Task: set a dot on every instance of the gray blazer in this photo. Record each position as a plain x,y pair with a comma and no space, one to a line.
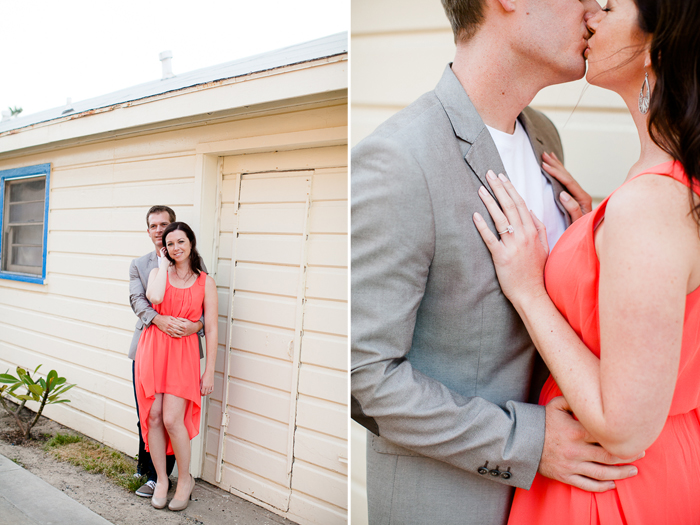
139,270
442,366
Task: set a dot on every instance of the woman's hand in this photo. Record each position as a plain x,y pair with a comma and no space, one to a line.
581,202
164,262
206,383
521,253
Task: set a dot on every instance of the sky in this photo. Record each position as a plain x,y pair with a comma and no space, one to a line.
51,50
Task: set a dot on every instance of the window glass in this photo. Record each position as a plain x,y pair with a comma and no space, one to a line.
23,225
28,190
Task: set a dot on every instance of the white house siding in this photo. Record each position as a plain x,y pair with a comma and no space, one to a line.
283,254
80,321
399,51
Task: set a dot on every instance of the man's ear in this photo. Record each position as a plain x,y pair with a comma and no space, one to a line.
507,5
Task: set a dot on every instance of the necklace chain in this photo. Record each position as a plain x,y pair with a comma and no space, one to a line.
187,276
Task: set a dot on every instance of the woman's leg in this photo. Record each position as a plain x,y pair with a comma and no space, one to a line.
157,443
174,420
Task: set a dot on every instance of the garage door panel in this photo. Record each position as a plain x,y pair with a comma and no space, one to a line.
262,340
283,253
329,217
278,280
264,309
271,218
259,189
269,249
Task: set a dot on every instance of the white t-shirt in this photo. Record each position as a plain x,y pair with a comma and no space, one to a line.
524,172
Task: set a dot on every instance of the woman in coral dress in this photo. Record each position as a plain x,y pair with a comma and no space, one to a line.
168,384
617,315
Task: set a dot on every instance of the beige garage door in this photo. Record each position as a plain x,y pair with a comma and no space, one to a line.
283,278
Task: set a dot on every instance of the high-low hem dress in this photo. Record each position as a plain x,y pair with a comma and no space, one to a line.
667,488
167,365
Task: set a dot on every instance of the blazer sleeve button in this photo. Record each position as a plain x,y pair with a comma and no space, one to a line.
483,471
495,473
505,475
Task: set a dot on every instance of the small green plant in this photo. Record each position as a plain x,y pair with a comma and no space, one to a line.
61,439
44,391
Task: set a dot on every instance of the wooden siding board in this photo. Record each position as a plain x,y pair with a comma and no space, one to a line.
328,250
324,451
98,337
302,159
330,184
264,341
259,431
277,280
323,383
95,382
121,416
124,244
116,292
88,358
255,486
260,400
322,416
101,314
85,265
327,283
129,194
132,169
326,351
326,316
264,309
323,484
285,218
284,188
305,509
263,463
269,249
262,370
329,217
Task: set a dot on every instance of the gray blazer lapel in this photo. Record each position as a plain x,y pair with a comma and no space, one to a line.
483,156
152,261
537,139
478,147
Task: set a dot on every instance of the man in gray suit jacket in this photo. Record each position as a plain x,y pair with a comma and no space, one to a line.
157,219
444,373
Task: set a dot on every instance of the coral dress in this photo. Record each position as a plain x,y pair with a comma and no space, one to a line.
166,365
667,488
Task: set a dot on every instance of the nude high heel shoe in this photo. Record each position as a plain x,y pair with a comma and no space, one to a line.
159,503
176,504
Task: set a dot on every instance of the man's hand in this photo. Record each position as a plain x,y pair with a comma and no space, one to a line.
570,456
581,203
176,327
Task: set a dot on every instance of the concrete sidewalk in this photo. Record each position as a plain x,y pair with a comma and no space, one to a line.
27,499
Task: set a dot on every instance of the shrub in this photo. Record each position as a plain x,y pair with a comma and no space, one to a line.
44,391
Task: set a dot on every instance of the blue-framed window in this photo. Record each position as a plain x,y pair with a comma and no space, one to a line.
24,200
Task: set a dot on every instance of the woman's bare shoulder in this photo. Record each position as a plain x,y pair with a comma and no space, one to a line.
649,197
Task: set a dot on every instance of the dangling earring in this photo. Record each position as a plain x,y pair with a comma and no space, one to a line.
644,95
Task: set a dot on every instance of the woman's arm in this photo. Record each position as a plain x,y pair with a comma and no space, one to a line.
622,399
155,291
211,332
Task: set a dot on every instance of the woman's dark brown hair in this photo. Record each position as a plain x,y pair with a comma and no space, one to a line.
195,260
674,109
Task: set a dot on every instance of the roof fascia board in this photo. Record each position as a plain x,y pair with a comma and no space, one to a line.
299,81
